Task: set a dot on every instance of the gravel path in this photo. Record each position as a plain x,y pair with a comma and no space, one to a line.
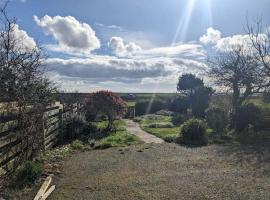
135,129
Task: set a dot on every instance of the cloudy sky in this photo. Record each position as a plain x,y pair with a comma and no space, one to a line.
131,45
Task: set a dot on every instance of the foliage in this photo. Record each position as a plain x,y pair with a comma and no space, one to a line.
107,104
194,133
161,125
216,119
179,104
28,172
147,107
74,126
55,154
200,101
188,82
249,114
22,80
78,145
177,119
239,71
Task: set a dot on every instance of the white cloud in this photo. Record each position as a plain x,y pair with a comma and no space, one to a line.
211,36
71,35
123,49
23,41
234,42
179,50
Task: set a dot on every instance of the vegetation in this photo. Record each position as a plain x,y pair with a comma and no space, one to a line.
194,133
217,119
119,138
108,104
28,172
160,126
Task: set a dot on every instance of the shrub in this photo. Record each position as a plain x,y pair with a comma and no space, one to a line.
74,126
170,138
165,112
200,101
179,104
28,172
194,132
216,119
146,107
177,119
248,114
161,125
78,145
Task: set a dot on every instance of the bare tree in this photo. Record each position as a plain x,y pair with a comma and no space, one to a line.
22,82
239,72
260,38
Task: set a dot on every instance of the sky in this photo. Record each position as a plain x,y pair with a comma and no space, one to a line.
132,45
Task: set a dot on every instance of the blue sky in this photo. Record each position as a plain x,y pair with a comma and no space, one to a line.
132,45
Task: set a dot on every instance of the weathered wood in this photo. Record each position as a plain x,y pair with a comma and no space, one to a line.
47,194
43,188
54,118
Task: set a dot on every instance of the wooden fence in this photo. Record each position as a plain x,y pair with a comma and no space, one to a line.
55,118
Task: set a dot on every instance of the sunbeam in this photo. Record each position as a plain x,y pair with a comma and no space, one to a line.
184,22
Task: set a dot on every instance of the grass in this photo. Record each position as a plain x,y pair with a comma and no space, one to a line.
119,138
163,133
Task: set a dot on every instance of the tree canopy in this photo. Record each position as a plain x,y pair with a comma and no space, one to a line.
188,82
108,104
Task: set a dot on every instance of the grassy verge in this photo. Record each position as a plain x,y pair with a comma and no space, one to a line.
119,138
159,126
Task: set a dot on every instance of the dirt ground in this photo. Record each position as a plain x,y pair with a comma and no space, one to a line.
165,171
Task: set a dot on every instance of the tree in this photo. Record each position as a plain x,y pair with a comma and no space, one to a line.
23,85
260,41
188,82
238,71
108,104
200,100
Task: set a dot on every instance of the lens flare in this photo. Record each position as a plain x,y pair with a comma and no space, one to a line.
184,22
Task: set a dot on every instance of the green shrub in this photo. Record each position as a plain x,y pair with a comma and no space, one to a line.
248,114
161,125
216,119
78,145
28,172
170,138
146,107
177,119
194,133
179,104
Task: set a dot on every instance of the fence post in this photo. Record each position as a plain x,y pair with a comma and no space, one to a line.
60,125
43,129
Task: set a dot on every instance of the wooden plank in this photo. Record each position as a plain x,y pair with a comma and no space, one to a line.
47,194
43,188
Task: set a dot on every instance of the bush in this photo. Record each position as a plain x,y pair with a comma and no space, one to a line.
216,119
74,126
194,132
78,145
161,125
249,114
28,172
146,107
177,119
179,104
